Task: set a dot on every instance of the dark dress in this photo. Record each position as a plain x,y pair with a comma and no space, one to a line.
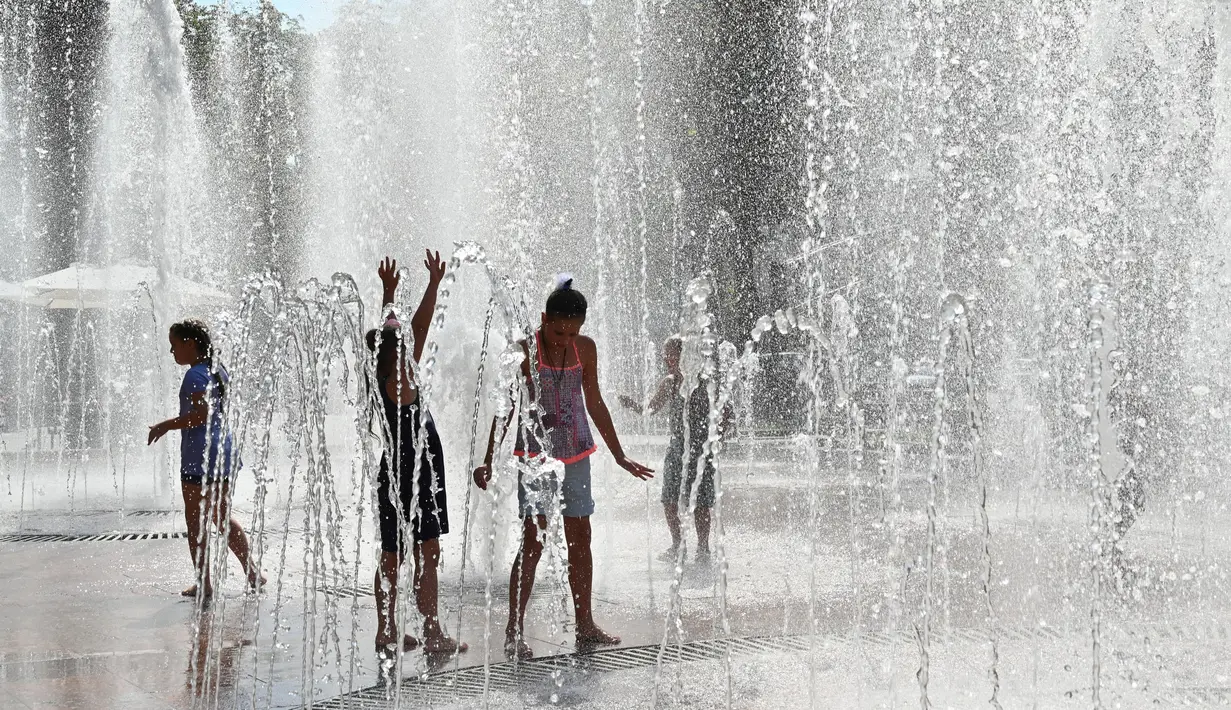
426,513
680,470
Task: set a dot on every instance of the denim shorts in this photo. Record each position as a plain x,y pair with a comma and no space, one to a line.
572,495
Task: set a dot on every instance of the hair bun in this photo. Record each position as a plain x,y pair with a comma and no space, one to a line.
565,301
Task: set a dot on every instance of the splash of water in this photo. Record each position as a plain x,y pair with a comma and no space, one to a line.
923,629
696,352
956,314
1106,464
517,326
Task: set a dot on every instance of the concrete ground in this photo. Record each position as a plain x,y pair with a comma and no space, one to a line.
828,562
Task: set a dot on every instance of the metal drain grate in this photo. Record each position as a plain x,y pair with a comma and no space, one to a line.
464,684
1198,697
468,683
149,513
345,591
350,591
101,537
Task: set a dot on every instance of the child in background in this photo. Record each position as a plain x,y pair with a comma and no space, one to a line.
679,471
206,472
567,367
426,513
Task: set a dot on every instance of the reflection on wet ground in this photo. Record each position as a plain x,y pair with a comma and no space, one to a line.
814,616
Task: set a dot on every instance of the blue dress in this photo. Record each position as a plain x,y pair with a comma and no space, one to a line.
195,466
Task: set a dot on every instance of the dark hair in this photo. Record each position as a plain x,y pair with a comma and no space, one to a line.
566,301
674,343
389,342
198,333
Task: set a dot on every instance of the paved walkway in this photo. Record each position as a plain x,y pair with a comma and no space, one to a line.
92,623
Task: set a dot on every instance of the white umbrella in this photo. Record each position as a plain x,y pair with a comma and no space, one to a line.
14,292
85,286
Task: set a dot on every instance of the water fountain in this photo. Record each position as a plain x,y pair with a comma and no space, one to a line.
991,303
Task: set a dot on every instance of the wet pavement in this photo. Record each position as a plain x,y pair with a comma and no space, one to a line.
829,570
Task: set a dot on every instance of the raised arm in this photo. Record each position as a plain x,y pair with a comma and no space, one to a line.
401,388
389,279
422,320
597,409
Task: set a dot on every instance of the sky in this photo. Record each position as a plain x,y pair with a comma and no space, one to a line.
316,14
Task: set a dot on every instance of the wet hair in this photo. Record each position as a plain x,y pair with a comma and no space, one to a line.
387,348
197,332
675,344
566,301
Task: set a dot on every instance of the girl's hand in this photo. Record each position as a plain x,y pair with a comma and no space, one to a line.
482,475
435,267
157,431
645,473
629,402
388,272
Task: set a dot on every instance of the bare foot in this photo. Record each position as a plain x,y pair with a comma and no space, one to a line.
192,592
389,645
594,636
442,644
255,584
515,648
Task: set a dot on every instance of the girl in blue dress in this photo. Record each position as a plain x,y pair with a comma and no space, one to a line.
207,463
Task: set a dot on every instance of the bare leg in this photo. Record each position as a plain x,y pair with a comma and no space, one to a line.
702,518
672,512
580,579
427,557
386,592
427,590
219,500
521,583
196,541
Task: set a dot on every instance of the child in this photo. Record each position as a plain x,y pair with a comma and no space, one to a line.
676,464
205,476
567,365
422,509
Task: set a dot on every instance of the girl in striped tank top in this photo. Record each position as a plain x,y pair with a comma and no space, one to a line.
567,377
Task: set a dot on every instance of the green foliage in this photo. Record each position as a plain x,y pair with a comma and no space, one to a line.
199,40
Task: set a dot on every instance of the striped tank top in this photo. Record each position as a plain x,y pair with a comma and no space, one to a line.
563,413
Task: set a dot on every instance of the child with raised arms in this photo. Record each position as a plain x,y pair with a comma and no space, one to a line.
410,488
